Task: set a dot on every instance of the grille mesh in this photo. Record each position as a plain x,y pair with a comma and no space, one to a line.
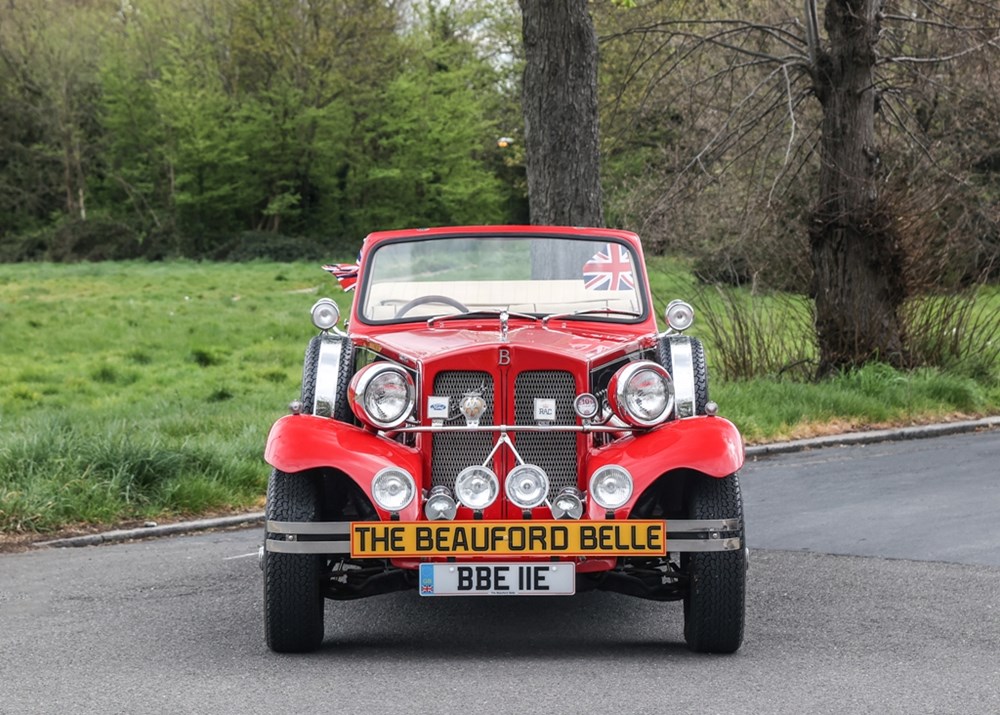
454,451
555,452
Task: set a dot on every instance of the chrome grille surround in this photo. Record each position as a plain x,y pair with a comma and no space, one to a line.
554,451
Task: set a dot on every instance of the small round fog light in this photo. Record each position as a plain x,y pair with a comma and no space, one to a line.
393,488
440,504
527,486
611,486
477,487
568,504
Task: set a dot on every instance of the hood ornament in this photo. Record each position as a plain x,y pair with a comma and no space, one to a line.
504,318
472,406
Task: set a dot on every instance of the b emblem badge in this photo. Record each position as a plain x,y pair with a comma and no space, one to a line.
504,358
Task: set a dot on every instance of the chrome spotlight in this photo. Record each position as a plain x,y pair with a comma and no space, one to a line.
527,486
568,504
393,488
611,486
477,487
679,315
440,504
325,314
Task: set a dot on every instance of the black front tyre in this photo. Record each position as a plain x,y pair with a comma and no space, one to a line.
293,602
715,605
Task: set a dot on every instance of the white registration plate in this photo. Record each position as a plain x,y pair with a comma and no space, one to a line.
502,579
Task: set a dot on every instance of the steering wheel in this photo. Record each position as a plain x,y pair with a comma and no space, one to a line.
421,300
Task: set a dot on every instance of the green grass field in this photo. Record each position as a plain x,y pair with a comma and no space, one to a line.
145,390
134,390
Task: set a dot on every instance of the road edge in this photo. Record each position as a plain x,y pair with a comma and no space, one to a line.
895,434
752,452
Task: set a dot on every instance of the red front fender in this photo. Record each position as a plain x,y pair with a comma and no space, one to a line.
710,445
300,442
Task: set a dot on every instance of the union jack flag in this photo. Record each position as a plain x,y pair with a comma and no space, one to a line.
427,589
345,273
609,269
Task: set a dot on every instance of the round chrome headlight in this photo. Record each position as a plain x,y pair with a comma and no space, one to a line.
679,315
641,394
611,486
568,504
527,486
477,487
325,313
393,488
440,504
382,395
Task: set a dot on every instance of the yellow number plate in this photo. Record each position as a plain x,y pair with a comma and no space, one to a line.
508,538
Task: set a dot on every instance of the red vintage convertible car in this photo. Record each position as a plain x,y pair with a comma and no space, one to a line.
501,416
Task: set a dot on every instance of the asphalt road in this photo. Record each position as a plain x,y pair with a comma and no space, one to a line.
174,625
932,499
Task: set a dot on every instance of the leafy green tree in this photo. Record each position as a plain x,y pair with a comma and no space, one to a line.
46,49
202,119
134,183
427,149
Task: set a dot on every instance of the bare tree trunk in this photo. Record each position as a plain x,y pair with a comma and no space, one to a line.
560,113
856,258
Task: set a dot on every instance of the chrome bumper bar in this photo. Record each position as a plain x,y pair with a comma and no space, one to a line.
683,535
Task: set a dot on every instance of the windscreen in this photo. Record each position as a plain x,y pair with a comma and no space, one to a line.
415,280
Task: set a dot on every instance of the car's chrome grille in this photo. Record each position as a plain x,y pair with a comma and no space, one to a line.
454,451
555,452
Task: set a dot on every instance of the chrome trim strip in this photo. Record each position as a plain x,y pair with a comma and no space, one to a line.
344,547
327,374
308,547
682,372
342,528
515,428
703,545
700,526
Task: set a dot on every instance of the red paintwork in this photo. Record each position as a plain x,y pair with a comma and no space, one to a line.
470,337
300,442
711,445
